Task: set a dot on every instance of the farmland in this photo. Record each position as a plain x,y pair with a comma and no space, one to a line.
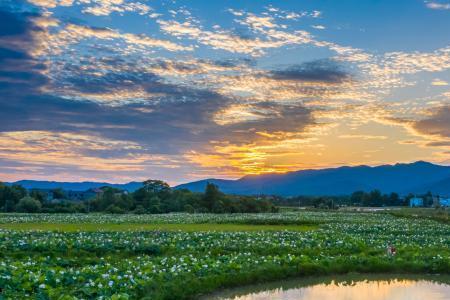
181,256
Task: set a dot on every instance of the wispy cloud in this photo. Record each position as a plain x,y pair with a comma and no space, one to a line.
51,3
97,7
439,82
73,33
437,123
228,41
106,7
363,136
437,5
247,92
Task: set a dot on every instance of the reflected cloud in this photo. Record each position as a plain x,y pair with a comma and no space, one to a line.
377,290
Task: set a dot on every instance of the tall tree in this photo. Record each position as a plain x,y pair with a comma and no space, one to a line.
58,193
376,198
357,197
38,195
211,197
10,196
155,186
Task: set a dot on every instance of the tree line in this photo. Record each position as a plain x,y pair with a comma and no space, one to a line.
155,196
374,198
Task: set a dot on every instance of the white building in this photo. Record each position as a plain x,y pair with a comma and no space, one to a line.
445,202
415,202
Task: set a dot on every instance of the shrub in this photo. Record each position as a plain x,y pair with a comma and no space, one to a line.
114,209
28,204
140,210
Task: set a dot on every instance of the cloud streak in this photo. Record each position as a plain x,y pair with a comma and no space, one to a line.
137,90
438,6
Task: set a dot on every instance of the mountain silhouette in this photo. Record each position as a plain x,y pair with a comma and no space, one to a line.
418,177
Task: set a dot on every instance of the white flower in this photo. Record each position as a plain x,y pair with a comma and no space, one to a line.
42,286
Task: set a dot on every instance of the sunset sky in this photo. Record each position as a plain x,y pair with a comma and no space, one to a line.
122,90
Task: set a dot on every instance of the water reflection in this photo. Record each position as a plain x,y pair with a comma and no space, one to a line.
345,288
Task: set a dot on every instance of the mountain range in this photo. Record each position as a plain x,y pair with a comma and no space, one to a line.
75,186
418,177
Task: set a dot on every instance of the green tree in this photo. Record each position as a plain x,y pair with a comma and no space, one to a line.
3,191
189,208
376,198
124,201
58,193
114,209
29,205
154,205
10,196
428,199
394,199
155,196
212,197
155,186
357,197
140,197
366,200
139,210
38,195
108,197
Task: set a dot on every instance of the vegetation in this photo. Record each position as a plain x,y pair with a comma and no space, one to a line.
373,198
10,196
154,197
167,264
438,214
89,227
147,246
28,204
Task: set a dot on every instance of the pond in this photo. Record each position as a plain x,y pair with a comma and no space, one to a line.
349,287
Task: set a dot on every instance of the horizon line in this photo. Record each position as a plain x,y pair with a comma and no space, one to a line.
237,178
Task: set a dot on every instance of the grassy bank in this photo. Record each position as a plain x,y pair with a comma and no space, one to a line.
192,288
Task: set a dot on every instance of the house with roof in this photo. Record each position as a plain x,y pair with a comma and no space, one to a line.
416,202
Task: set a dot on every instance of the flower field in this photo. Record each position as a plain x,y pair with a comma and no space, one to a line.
157,264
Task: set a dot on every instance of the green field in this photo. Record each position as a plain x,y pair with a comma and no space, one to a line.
437,214
184,256
89,227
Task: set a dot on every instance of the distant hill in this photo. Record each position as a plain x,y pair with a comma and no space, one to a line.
75,186
418,177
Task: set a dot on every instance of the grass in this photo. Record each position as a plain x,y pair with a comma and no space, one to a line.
436,214
64,227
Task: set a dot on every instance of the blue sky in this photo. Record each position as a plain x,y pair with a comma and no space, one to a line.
123,90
